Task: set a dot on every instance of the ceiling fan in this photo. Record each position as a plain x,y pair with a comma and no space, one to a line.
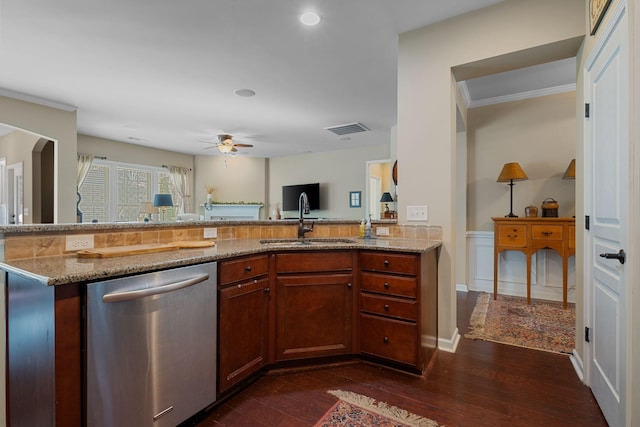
227,145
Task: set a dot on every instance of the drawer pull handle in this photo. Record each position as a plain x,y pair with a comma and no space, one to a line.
510,236
386,340
386,285
349,285
547,233
386,307
386,263
267,290
247,268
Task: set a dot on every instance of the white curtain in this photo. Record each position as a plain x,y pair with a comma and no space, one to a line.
84,164
180,178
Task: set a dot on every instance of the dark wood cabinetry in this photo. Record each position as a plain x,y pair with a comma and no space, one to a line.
397,319
244,318
314,304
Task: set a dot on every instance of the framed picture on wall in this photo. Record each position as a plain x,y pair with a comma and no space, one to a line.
354,199
597,9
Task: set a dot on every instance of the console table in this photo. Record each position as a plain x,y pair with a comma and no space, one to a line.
530,234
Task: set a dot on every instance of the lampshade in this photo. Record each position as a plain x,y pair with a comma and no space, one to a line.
571,171
162,200
512,171
386,197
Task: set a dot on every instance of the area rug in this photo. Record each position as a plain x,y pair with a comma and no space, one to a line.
541,325
356,410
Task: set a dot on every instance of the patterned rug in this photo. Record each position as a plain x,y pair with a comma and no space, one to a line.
542,325
356,410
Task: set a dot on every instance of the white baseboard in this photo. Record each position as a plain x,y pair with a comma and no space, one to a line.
451,344
462,287
578,366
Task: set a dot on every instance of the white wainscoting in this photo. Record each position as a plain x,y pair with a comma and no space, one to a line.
546,270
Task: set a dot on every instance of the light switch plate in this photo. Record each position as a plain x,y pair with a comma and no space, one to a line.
210,233
382,231
78,242
418,213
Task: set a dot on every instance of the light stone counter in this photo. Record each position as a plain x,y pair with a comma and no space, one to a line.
65,269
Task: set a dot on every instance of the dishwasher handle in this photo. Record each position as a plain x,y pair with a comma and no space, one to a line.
145,292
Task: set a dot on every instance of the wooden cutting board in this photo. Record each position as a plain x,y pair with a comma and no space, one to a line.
118,251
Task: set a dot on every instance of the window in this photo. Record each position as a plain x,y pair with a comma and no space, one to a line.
113,191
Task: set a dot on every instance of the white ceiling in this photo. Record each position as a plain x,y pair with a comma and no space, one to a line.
163,73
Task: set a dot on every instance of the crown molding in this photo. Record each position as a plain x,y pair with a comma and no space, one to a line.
37,100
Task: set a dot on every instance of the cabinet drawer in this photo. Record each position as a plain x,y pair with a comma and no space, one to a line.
389,263
389,338
394,307
313,261
242,269
546,232
514,235
387,284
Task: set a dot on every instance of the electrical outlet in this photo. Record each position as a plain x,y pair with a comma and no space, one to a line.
210,233
382,231
78,242
417,213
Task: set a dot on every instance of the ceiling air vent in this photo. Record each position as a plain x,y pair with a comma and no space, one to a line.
348,128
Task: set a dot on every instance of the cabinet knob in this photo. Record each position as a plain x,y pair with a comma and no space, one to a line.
349,285
386,285
386,340
386,307
247,268
386,263
267,290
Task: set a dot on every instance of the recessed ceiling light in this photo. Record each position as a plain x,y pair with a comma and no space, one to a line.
310,18
245,93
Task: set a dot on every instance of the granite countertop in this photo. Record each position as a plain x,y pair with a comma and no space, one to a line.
61,270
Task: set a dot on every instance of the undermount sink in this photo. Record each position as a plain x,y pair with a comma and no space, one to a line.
316,241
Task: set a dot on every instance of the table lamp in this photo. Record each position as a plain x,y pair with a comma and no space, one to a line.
386,198
162,201
512,172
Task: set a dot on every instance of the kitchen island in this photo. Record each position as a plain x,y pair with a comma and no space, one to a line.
378,295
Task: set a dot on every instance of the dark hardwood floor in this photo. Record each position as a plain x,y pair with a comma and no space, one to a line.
482,384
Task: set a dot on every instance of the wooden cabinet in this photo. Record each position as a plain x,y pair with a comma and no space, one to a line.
528,235
243,298
314,304
398,307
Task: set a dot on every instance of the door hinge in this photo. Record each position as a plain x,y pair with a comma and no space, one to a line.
586,110
586,222
586,334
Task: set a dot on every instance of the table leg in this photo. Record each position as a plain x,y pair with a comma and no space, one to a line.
565,274
528,278
495,274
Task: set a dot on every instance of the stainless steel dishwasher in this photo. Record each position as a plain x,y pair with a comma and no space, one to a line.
151,347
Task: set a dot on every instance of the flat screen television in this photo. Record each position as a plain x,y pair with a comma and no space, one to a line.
291,194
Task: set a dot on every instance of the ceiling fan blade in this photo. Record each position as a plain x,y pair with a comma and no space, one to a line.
243,145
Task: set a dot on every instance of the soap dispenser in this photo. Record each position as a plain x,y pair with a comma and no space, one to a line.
362,229
367,228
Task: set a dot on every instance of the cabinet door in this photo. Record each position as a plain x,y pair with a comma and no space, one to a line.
314,315
243,333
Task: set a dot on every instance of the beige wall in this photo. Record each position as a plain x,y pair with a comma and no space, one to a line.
538,133
234,179
513,33
136,154
338,173
59,126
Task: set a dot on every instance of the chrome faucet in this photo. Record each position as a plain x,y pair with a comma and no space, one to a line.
303,208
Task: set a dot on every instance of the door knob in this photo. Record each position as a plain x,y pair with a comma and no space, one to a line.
620,256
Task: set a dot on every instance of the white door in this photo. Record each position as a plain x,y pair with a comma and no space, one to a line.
606,199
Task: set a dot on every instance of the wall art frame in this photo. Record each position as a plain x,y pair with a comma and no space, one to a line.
597,10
